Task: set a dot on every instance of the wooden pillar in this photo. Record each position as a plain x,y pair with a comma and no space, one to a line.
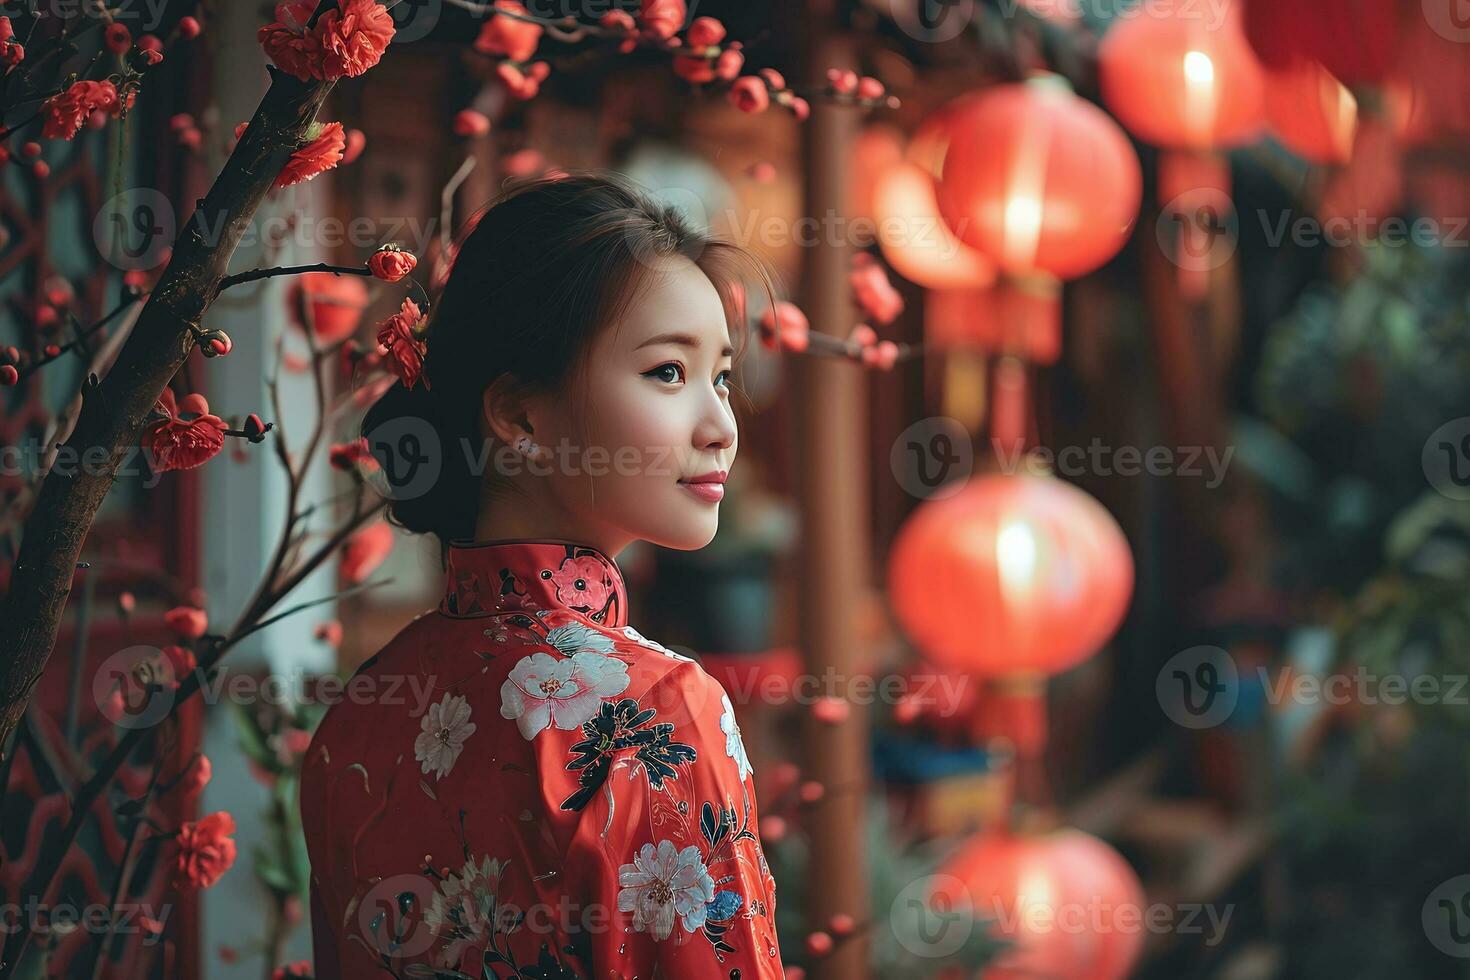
833,472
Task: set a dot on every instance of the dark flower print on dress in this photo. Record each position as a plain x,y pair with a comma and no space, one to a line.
621,725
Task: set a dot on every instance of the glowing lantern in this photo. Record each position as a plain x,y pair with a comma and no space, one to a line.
1312,113
1179,80
1013,575
914,238
1190,84
876,148
1039,180
1069,904
333,304
1353,39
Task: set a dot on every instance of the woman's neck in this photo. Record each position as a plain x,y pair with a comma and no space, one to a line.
516,512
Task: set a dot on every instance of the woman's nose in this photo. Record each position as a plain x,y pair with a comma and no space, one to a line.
716,429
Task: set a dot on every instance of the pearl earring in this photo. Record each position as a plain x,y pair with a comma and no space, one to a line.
526,447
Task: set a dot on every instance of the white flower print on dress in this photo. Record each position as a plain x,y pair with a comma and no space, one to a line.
543,690
662,883
463,908
734,744
644,641
579,639
445,727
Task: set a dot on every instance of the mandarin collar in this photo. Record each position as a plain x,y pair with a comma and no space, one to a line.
485,578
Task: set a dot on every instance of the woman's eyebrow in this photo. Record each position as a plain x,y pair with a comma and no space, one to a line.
681,340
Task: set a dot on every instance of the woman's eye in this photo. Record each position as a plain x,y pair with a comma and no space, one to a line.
723,379
668,373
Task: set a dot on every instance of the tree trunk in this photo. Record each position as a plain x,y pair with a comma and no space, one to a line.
112,414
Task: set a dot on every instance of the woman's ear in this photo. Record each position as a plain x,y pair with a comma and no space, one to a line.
506,408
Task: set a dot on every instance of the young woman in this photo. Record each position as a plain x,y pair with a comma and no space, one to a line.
519,784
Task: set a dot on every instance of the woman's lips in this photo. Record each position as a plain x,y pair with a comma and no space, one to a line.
713,492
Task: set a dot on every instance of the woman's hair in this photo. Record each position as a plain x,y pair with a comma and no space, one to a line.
549,263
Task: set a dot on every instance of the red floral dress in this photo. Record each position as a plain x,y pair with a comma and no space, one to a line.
520,785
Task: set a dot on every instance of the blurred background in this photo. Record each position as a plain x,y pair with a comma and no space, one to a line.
1112,622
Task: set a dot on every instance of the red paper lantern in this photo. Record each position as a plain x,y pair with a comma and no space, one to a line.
1313,114
1039,180
915,239
334,304
1013,575
1068,903
1353,39
1179,79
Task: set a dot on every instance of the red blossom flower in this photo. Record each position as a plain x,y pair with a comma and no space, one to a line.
189,622
189,28
620,21
346,455
206,850
354,37
325,151
705,32
391,263
300,970
346,41
199,775
523,85
869,88
468,122
399,335
785,328
872,290
66,111
182,659
509,37
177,443
728,64
119,38
842,81
773,78
365,551
800,109
749,94
13,54
694,68
329,632
356,143
288,43
662,18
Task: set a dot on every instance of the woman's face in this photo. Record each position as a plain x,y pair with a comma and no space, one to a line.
647,452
